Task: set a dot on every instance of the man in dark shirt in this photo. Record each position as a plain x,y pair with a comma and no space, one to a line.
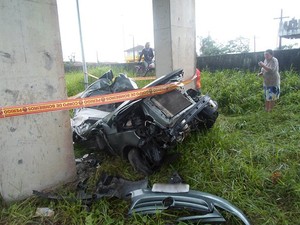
148,55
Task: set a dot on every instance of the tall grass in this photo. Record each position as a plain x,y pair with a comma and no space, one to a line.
239,92
75,80
250,157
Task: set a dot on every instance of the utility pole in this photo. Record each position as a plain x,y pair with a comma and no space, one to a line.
280,25
97,56
86,79
254,43
133,49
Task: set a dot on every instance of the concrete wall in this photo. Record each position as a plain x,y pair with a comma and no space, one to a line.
174,36
36,150
288,59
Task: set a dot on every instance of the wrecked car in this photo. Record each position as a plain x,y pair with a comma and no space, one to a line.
142,130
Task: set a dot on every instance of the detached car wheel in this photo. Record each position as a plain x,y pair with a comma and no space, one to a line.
138,163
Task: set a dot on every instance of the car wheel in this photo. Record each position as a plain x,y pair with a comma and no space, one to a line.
138,163
207,117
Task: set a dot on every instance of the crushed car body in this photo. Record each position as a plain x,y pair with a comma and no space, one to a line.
142,130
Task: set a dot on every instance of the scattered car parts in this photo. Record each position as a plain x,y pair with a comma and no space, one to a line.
201,207
107,186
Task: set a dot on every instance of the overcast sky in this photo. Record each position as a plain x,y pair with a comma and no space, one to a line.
111,26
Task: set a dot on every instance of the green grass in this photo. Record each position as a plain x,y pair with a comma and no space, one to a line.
250,157
75,80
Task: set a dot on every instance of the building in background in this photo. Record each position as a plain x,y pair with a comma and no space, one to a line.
133,54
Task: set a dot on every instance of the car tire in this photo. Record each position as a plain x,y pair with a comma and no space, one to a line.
138,163
208,117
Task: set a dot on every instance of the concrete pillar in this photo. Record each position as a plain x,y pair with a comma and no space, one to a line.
36,151
174,36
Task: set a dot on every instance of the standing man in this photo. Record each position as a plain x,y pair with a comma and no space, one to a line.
147,52
271,76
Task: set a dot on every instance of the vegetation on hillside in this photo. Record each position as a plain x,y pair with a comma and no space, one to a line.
250,157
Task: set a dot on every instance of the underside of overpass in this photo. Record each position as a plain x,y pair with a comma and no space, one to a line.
36,150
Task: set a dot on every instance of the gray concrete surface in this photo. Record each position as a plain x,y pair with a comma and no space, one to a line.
36,151
174,36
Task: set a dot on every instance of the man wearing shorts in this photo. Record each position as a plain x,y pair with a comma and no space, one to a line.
270,73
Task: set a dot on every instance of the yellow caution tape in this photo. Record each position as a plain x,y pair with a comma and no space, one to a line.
133,78
68,104
143,78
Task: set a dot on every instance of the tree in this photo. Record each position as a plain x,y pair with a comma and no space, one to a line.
72,57
209,47
238,45
291,46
